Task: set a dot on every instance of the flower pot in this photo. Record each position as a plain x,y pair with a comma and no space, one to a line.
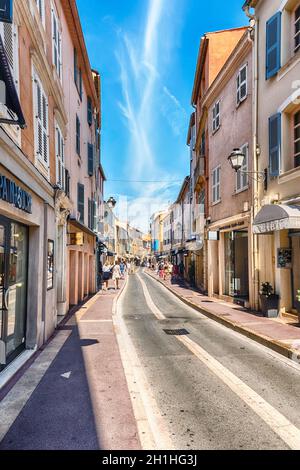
270,305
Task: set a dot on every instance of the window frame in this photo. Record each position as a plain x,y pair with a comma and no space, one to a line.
295,33
41,120
243,177
56,44
240,84
216,116
78,136
60,156
295,126
216,185
40,6
81,203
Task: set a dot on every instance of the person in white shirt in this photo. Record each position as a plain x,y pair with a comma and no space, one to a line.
106,274
116,274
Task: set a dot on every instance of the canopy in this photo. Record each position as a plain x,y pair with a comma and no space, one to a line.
274,217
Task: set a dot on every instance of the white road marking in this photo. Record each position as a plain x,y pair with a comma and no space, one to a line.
149,301
67,375
153,431
279,424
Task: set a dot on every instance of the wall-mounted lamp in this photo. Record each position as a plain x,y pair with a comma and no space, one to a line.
236,160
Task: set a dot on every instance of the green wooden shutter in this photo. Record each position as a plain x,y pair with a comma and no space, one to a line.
89,111
80,201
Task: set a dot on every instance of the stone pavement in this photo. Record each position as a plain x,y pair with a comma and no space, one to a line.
283,338
74,396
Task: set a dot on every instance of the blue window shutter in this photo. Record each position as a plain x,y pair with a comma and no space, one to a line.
273,45
90,111
275,144
90,159
80,201
75,66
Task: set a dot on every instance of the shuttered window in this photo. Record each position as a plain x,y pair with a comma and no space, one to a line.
80,202
56,44
89,111
60,158
297,139
9,34
297,29
275,144
78,136
241,175
216,117
41,122
92,215
242,84
273,46
216,186
77,74
91,164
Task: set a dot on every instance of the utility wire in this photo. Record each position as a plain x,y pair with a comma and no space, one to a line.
142,181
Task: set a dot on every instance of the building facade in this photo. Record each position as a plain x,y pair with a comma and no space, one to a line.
277,139
42,213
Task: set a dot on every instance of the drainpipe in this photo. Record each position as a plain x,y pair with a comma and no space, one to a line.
255,208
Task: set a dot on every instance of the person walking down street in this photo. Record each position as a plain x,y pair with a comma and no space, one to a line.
106,274
116,274
122,269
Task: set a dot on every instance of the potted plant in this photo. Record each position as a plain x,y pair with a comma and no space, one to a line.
269,301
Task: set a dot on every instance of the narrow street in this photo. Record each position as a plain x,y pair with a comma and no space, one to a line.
214,389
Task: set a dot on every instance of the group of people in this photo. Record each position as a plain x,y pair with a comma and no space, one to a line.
115,272
166,270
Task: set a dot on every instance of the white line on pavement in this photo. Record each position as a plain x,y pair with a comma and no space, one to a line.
289,433
150,302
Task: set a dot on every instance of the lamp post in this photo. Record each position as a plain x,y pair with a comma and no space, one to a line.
236,160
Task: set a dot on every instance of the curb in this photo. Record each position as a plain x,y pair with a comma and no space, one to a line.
276,346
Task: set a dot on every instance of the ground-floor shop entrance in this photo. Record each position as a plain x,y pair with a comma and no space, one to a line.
13,289
236,264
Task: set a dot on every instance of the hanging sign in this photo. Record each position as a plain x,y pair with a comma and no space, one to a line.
12,193
6,11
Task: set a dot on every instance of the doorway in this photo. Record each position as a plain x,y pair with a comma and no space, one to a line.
236,265
13,289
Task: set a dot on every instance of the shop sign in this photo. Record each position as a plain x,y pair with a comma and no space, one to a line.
6,11
284,258
13,194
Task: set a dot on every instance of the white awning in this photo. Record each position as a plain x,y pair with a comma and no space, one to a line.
274,217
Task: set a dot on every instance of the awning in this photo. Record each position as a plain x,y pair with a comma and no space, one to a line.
274,217
12,100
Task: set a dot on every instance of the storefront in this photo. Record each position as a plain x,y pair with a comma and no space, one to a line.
13,288
236,265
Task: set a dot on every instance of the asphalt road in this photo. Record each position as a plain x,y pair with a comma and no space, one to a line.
214,388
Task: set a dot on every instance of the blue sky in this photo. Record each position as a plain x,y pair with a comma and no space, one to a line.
146,52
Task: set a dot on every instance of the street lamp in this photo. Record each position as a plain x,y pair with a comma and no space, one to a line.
236,160
111,202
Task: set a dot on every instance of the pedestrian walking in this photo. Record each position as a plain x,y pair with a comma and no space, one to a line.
122,269
106,274
116,274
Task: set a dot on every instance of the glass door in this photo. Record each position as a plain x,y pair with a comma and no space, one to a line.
13,289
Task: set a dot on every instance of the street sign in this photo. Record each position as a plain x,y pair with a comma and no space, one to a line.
6,11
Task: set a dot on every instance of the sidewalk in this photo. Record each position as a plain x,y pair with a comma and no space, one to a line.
75,395
282,338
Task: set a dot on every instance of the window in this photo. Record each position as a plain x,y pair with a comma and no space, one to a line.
241,176
80,202
273,46
216,117
56,44
77,74
41,122
60,158
274,144
41,9
242,86
92,214
67,182
297,139
297,29
203,145
91,165
216,186
78,136
89,111
50,265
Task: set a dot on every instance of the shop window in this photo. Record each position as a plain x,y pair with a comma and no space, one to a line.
241,175
56,44
50,265
41,122
297,139
60,158
297,29
242,85
216,117
216,185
